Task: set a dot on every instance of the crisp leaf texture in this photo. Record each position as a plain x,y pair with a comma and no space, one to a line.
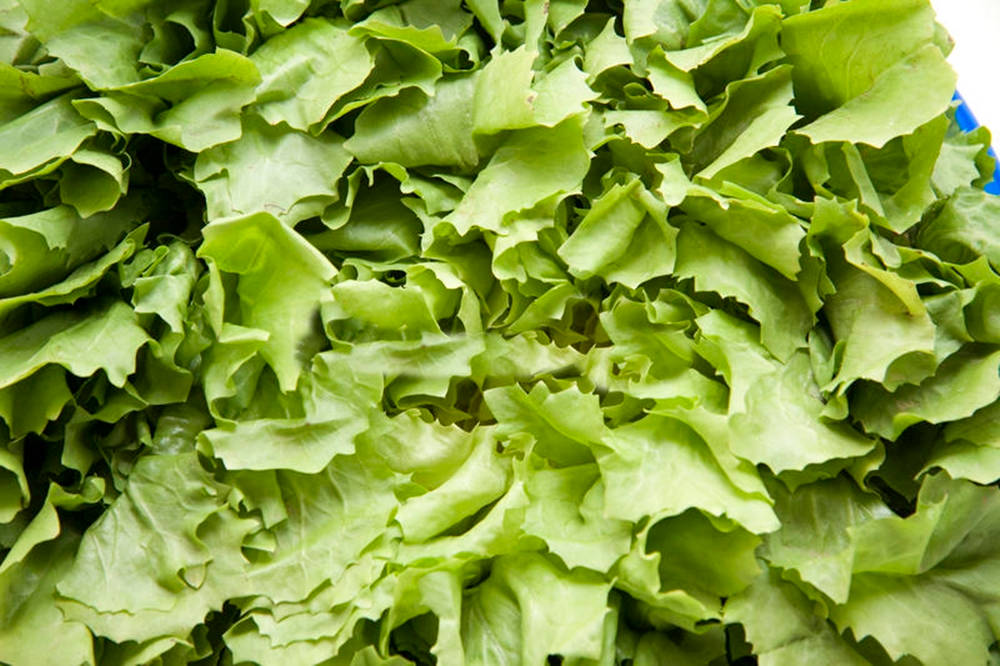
494,333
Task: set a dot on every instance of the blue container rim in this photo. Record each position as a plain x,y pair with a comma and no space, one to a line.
967,122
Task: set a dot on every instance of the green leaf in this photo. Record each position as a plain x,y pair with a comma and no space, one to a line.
195,104
339,399
724,268
431,26
961,162
165,289
306,69
14,492
780,622
286,173
922,84
396,67
682,541
529,167
758,33
864,309
168,498
782,424
564,425
93,181
507,618
55,132
815,538
49,244
282,12
365,332
567,511
332,517
31,403
30,617
479,481
207,118
605,51
97,40
659,467
642,246
70,339
965,382
914,628
81,281
861,40
22,90
766,231
194,591
937,558
413,129
282,279
961,231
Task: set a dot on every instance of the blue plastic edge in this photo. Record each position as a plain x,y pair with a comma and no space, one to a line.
967,122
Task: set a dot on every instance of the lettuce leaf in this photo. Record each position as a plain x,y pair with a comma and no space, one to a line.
357,332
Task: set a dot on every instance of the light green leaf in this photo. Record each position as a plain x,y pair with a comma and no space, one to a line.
815,538
605,51
70,339
286,173
964,383
784,628
30,617
165,289
339,398
641,245
282,280
674,85
567,511
659,467
14,490
332,517
54,130
529,167
962,231
30,404
782,424
283,12
80,282
922,84
168,498
507,620
904,616
43,248
93,181
764,22
21,90
939,559
766,231
101,46
413,129
510,95
724,268
682,542
430,25
210,116
860,40
864,309
480,480
565,425
306,69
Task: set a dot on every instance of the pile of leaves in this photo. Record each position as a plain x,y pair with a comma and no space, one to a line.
358,332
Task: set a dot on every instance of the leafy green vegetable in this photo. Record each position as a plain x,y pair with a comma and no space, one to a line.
357,333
